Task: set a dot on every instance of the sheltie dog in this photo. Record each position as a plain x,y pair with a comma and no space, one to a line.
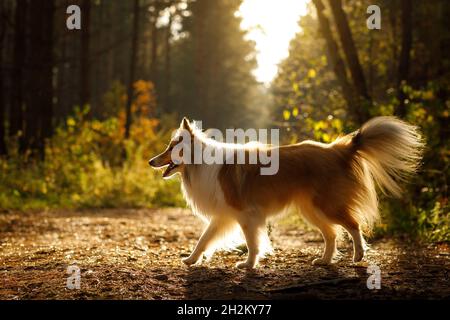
333,185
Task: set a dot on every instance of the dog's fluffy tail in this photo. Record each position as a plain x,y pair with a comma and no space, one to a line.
385,151
392,150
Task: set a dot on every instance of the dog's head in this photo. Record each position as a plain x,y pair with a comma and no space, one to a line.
174,160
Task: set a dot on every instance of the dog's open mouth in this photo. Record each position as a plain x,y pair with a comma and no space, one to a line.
169,168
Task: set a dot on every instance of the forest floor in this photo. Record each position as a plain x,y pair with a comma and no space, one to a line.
136,254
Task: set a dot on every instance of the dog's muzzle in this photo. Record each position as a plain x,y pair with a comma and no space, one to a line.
169,167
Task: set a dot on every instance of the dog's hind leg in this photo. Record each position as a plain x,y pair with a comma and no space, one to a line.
353,229
213,232
358,244
317,218
254,230
329,236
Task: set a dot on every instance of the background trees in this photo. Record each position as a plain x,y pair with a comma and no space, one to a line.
80,99
336,54
215,66
193,52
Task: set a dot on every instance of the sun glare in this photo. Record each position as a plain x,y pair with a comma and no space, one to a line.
271,24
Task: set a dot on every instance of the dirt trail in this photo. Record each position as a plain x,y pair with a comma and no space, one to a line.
135,254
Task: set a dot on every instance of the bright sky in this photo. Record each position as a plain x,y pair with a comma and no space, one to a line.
272,24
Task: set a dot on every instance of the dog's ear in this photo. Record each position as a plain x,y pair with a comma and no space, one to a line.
186,125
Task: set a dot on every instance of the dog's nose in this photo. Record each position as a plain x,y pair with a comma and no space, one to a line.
151,163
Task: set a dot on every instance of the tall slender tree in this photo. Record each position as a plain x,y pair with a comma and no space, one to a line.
16,111
2,98
48,83
216,67
167,62
404,59
85,77
132,70
337,63
39,112
156,7
351,54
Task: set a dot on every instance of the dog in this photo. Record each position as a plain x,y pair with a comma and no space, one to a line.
333,185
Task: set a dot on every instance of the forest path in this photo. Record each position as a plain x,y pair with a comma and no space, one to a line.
135,254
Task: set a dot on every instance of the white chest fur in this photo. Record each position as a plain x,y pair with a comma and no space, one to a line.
201,189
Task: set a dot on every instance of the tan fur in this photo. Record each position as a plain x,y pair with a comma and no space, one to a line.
337,178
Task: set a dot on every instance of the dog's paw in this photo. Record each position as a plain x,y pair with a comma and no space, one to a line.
245,265
320,262
358,256
189,261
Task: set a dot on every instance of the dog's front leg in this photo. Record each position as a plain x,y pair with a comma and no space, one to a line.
208,238
252,229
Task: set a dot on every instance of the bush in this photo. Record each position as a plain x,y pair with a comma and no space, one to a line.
88,164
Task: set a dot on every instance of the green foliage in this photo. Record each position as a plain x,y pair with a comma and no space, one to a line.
307,95
425,209
85,167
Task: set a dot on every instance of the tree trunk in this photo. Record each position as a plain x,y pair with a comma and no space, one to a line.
62,80
337,63
167,64
33,82
16,112
393,66
85,93
3,150
403,66
2,120
47,115
200,60
133,57
154,47
39,113
351,55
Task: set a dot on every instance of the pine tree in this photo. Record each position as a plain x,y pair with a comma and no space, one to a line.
216,64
